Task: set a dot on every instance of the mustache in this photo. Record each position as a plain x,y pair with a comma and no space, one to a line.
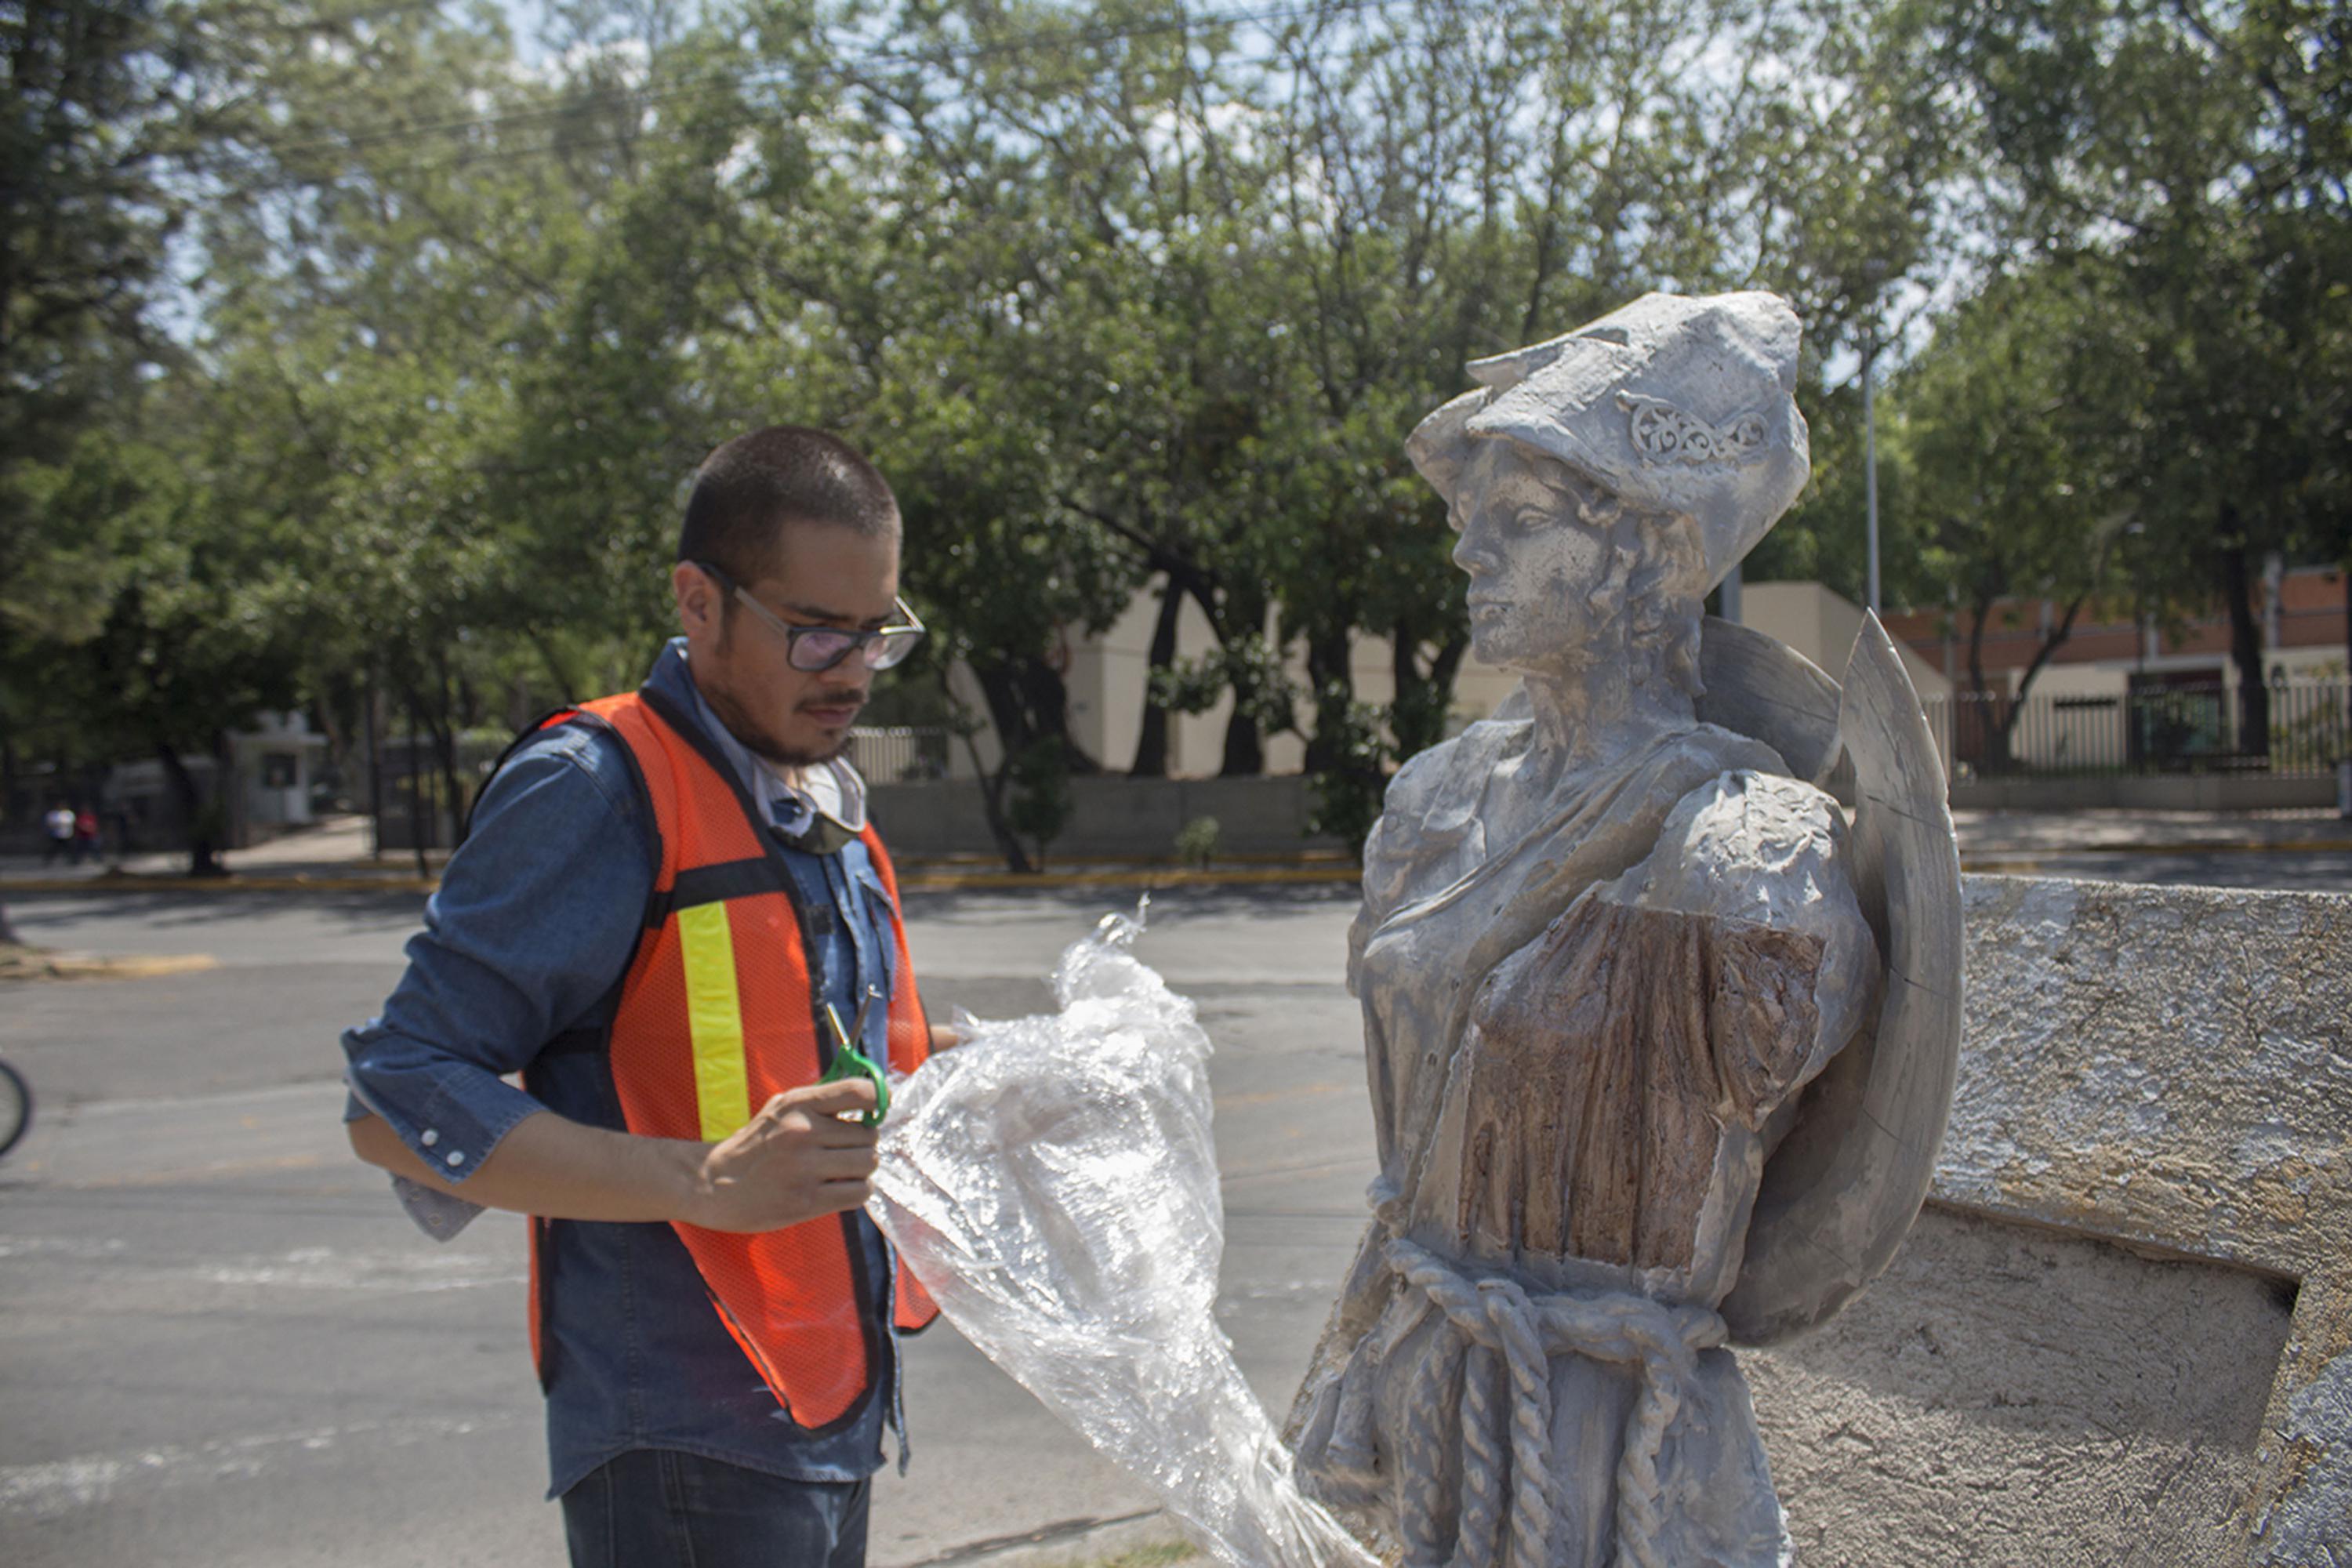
841,697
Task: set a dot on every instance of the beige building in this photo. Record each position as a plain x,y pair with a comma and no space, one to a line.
1106,677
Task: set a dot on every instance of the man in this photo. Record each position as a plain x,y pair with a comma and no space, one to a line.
671,919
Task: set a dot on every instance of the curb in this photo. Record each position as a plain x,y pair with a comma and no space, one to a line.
1073,1543
2185,847
2016,858
88,966
1146,877
1133,877
139,882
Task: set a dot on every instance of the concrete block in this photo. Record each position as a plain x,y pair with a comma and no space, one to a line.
2009,1394
2123,1330
1112,818
1122,816
940,818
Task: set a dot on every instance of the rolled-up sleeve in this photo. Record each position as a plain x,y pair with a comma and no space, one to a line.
537,915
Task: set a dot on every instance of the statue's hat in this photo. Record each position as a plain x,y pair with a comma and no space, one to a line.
1676,404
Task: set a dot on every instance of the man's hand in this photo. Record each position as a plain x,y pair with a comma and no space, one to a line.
946,1037
796,1160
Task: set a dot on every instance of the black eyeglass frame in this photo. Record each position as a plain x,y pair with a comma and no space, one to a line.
883,647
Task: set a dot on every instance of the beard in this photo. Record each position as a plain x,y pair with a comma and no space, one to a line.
757,739
785,756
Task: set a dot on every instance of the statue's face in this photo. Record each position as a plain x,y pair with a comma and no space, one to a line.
1533,563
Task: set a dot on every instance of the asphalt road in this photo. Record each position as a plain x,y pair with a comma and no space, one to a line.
221,1343
2292,870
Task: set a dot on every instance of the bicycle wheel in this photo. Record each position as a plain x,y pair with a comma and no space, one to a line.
16,1107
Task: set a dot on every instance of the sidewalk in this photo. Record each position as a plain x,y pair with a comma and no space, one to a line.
331,855
2004,833
334,855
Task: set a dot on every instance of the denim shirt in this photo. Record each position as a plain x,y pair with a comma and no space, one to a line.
518,972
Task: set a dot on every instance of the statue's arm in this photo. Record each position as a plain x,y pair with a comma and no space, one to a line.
1764,859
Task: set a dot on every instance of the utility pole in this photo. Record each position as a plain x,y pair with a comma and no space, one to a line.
1876,271
1870,463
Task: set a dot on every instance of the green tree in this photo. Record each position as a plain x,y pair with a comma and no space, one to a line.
2008,425
2200,153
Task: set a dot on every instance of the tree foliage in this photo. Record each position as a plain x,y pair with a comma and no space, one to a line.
356,356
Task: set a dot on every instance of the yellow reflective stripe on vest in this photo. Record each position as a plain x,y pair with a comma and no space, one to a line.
714,1015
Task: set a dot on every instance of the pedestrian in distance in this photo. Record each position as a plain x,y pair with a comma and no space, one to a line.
58,825
672,919
85,834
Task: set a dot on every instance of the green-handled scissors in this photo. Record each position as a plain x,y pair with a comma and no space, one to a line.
849,1061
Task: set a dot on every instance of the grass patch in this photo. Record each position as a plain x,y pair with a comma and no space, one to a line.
1160,1556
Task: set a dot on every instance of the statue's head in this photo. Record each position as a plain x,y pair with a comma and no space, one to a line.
1613,476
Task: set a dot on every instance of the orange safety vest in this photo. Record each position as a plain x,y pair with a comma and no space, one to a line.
717,1015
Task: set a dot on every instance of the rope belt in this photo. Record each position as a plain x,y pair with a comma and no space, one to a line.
1497,1327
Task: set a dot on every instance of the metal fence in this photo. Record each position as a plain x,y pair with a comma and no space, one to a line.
2298,728
901,754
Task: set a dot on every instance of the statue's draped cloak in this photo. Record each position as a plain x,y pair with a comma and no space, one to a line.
1573,1075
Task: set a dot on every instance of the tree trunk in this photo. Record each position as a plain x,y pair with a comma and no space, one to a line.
1151,745
1244,746
1244,756
1027,702
1422,698
340,752
420,827
373,699
203,842
444,725
2015,706
1333,677
991,806
2245,642
7,771
1985,744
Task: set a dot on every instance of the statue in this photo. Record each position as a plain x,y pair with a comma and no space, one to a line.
1660,1046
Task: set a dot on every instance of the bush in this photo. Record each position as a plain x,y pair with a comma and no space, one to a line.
1196,841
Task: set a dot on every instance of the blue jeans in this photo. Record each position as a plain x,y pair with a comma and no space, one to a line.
652,1507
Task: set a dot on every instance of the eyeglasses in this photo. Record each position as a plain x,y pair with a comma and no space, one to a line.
813,648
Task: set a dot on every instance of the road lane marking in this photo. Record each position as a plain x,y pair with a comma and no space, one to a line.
1276,1096
1314,1168
303,1268
186,1173
63,1486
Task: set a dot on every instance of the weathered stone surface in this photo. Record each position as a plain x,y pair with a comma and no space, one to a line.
1645,1018
2167,1065
2007,1394
2167,1070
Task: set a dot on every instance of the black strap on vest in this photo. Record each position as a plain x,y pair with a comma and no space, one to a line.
714,884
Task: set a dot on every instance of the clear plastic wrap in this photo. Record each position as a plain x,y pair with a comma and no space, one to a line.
1053,1183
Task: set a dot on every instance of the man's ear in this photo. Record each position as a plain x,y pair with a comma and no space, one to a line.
700,605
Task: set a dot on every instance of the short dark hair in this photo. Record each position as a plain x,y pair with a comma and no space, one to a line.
749,491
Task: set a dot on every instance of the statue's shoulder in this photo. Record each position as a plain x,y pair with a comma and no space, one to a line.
1693,758
1752,842
1454,773
1430,814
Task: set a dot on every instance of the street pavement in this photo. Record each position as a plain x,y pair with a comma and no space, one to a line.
2302,847
220,1342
